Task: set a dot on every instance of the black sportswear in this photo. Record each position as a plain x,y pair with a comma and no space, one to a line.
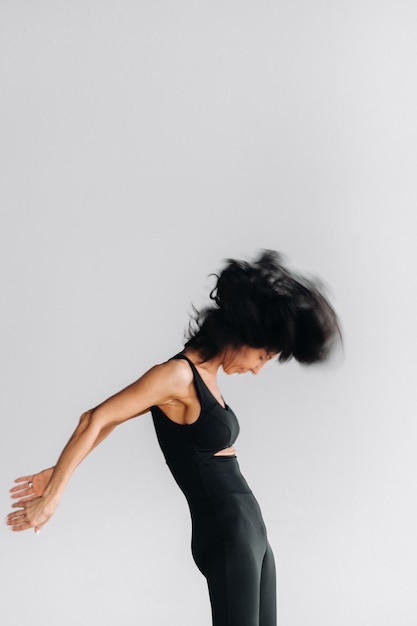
229,542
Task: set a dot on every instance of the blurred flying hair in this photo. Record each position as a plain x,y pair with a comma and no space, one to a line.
263,304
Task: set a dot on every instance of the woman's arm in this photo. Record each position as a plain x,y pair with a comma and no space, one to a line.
160,385
34,485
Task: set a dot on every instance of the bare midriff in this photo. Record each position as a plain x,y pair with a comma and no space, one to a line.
231,451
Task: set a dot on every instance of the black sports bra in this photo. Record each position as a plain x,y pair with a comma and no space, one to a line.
216,427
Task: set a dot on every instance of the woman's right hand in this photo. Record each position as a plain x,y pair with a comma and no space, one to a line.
33,486
31,512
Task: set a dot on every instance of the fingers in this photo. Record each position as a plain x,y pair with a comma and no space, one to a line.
20,513
29,497
20,525
24,493
23,478
20,522
19,488
20,519
20,504
17,519
23,490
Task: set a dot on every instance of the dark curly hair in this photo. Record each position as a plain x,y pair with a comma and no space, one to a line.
265,305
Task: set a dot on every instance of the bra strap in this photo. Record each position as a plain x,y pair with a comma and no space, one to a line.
204,395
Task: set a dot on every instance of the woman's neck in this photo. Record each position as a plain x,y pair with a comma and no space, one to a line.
211,365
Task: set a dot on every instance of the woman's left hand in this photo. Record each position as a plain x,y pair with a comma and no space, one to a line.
30,487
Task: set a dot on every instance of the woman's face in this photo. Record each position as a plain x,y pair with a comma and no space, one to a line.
242,359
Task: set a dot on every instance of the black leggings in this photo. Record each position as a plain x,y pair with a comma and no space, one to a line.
231,549
242,596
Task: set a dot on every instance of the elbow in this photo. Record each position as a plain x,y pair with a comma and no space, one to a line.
93,420
86,417
89,421
89,425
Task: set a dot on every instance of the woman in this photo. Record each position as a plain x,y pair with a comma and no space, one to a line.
261,310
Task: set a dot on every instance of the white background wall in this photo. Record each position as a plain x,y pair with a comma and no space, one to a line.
141,144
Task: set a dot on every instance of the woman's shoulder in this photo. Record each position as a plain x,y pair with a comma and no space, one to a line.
175,373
